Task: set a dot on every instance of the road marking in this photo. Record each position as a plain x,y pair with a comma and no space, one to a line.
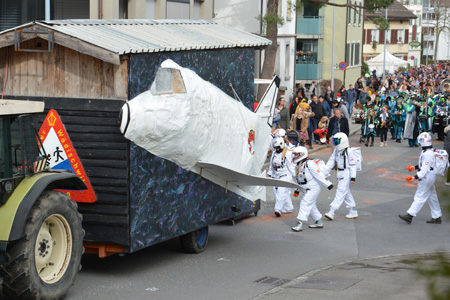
152,289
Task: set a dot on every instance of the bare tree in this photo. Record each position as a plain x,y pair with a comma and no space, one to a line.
440,14
270,22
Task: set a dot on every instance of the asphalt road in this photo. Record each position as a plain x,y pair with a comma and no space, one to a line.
264,246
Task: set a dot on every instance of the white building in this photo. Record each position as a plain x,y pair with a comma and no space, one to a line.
243,14
415,30
429,35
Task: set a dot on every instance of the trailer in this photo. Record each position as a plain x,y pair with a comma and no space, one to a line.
86,70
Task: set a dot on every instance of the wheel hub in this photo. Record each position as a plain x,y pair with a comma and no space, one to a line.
44,246
53,248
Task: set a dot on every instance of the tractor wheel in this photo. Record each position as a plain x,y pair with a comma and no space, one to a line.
44,262
196,241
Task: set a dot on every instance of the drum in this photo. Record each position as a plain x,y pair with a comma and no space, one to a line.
371,127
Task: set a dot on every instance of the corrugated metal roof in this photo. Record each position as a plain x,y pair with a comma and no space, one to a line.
140,36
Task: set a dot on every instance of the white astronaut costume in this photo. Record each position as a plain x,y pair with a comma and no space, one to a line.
282,168
310,179
346,172
426,190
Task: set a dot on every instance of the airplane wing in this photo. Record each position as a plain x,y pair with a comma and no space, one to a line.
241,179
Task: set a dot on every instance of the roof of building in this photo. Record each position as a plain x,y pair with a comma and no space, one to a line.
395,12
123,36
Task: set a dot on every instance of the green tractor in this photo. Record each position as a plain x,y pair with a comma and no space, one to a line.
41,235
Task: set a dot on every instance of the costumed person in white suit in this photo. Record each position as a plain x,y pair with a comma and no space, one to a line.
281,167
426,190
310,178
346,174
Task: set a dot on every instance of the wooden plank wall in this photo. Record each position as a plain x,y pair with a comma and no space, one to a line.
61,73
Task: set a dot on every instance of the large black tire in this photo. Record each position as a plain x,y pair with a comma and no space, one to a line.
53,243
196,241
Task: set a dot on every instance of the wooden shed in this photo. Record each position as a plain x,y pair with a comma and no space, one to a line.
86,70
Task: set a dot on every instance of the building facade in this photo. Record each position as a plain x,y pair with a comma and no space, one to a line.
430,41
397,36
415,30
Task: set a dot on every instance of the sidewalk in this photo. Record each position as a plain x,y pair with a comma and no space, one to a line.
392,277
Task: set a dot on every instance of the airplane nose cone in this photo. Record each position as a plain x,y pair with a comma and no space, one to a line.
124,117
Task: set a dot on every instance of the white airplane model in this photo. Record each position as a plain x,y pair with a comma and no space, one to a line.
192,123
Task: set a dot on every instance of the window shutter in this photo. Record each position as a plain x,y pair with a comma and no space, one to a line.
394,36
381,40
406,36
369,36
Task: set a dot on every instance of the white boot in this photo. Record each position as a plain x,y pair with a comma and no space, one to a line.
381,144
298,227
385,144
330,215
317,224
352,214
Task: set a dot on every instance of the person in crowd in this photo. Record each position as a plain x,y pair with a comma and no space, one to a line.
329,95
398,119
358,87
313,88
326,106
364,95
337,124
350,99
299,123
284,114
293,105
384,116
319,111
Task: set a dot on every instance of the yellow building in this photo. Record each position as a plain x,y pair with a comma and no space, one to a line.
348,42
314,43
397,36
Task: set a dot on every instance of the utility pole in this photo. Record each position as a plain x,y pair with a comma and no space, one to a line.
384,58
332,48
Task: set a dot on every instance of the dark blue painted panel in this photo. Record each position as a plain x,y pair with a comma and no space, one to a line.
165,200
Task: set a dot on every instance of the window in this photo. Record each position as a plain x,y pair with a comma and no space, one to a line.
352,55
400,36
388,36
375,35
349,13
347,54
287,60
357,50
354,15
168,81
360,14
177,9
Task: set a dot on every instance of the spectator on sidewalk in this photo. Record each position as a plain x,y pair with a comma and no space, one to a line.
326,106
337,124
284,114
329,95
351,99
319,111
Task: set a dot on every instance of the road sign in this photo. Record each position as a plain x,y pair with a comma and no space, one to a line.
342,65
412,57
61,155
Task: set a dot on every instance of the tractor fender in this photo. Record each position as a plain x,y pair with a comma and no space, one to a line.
14,213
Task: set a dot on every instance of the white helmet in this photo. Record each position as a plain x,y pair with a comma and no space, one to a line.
424,139
340,141
278,142
298,154
280,133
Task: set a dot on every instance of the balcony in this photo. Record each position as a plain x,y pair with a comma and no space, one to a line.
428,52
309,71
310,27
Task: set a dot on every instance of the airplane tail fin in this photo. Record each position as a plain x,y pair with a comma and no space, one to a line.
266,106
